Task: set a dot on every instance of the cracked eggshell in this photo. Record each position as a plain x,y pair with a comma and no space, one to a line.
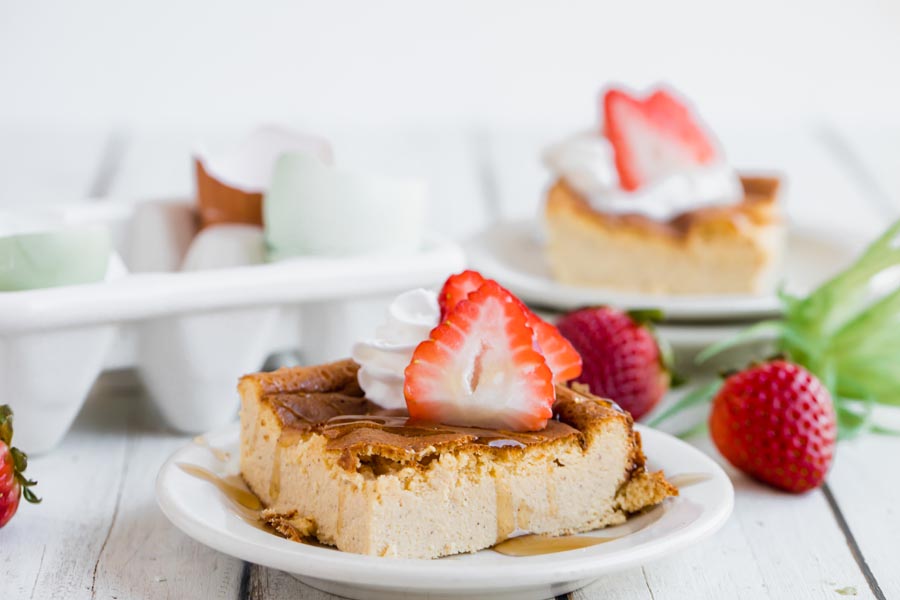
54,257
232,181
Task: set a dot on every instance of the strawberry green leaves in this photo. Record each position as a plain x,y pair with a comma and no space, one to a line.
846,332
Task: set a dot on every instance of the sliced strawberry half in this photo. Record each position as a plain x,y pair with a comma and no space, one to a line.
456,289
653,137
479,368
562,358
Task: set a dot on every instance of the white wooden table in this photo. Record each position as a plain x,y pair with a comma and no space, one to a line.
99,534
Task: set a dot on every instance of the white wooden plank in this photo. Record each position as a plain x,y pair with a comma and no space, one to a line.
864,481
872,157
775,545
40,166
145,556
269,584
50,550
519,179
866,486
819,192
157,166
98,532
631,584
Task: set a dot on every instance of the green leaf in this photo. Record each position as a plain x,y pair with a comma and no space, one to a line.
844,296
852,419
700,395
20,461
847,333
30,496
750,334
698,429
878,429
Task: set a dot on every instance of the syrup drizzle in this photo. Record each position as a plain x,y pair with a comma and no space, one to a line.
402,425
535,545
275,480
244,503
220,454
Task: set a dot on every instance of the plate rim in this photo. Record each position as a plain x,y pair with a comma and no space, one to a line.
425,574
677,308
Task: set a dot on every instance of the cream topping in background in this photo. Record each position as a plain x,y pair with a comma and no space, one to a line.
409,320
586,162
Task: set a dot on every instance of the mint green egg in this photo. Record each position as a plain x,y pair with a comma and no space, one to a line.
49,259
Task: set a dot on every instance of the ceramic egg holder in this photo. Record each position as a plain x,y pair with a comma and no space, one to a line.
196,331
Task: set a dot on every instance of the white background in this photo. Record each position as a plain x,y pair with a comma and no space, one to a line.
406,63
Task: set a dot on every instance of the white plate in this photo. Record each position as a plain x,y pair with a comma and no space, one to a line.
203,512
512,253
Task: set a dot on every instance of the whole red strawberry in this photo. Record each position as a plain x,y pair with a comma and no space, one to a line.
13,462
620,355
776,423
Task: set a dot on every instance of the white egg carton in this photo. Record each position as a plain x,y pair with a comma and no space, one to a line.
194,333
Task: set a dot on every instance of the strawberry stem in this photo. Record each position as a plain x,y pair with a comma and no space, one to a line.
20,461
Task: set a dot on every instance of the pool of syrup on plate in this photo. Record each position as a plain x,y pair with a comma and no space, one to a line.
247,506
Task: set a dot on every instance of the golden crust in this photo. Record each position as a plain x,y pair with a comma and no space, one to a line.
326,400
289,525
759,207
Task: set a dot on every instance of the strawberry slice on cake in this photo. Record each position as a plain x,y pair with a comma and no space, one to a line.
562,358
480,368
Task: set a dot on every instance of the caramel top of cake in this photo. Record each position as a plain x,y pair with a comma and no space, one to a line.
328,400
759,206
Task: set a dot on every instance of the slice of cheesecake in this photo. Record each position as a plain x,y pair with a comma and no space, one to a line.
330,465
733,249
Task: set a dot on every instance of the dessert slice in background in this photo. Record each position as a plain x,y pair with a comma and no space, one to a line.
648,203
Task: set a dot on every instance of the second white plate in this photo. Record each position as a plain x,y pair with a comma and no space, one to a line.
512,253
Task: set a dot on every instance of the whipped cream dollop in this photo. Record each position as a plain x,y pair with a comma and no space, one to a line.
410,318
586,162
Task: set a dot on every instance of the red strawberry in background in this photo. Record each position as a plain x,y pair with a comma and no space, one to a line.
776,423
653,137
13,484
621,358
480,368
561,357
